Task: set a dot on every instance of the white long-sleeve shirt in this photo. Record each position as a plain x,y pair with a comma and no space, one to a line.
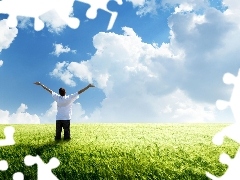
64,105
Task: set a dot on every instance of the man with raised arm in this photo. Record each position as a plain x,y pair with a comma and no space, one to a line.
64,109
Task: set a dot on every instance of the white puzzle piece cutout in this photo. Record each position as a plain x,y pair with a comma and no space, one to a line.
44,170
101,4
9,140
231,131
36,8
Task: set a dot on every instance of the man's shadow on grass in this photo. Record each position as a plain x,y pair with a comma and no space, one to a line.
48,147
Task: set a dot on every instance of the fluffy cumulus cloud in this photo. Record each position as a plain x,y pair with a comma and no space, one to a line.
145,6
142,82
59,49
19,117
7,35
178,81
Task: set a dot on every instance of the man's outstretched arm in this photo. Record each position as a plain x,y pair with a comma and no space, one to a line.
44,87
84,89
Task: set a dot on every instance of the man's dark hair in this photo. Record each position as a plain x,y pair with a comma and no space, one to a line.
62,91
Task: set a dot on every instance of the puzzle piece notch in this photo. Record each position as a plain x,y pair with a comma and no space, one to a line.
101,4
18,176
3,165
232,173
9,140
234,102
231,131
44,170
36,8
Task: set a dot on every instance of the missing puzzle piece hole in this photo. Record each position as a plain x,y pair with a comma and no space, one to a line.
18,176
221,105
3,165
224,158
218,139
114,6
228,78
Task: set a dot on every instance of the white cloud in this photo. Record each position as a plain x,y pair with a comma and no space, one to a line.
53,22
139,86
178,81
184,108
150,6
50,115
59,49
4,116
137,2
183,8
23,117
232,12
19,117
1,63
145,6
24,22
186,4
65,76
7,35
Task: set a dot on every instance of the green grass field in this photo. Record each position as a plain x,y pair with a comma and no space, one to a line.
120,151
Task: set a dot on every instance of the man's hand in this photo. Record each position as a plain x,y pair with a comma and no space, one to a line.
91,85
37,83
44,87
84,89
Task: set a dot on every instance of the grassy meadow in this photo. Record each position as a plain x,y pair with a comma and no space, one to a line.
120,151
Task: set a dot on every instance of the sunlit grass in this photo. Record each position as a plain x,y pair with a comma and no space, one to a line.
120,151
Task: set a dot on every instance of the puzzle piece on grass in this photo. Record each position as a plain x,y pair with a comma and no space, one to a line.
232,173
36,8
101,4
44,170
8,132
3,165
232,131
18,176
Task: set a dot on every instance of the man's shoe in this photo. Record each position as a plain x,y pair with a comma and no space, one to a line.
57,139
67,139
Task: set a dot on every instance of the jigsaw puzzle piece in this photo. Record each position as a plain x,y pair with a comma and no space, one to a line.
12,21
221,104
100,4
36,8
44,170
8,132
229,78
63,9
3,165
232,131
232,173
234,102
18,176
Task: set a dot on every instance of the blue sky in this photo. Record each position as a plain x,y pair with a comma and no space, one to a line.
162,61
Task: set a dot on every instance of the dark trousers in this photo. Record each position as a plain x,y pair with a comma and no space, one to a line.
65,124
